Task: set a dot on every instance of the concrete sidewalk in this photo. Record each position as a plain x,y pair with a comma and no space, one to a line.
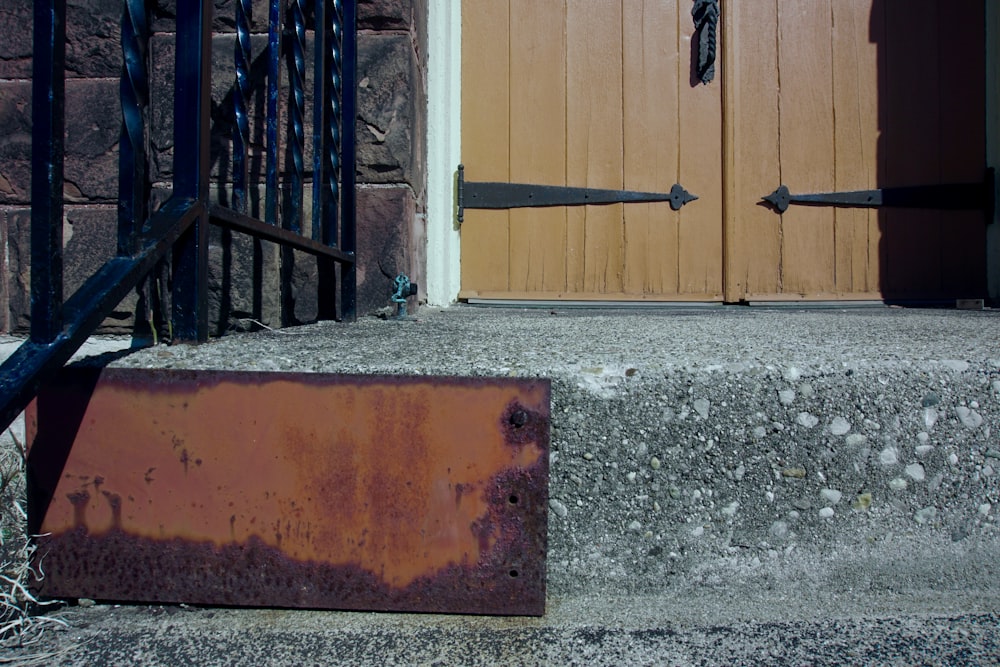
727,485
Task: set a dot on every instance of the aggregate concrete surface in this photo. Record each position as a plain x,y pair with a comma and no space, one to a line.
728,485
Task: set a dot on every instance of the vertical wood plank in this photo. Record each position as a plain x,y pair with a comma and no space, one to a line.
911,143
700,157
855,103
963,142
753,232
594,145
538,141
650,103
806,144
485,139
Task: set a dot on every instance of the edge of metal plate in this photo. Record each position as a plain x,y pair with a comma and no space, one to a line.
394,493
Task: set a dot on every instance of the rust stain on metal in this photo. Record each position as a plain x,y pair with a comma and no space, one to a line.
301,490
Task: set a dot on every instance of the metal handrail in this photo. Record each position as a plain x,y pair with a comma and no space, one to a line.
179,229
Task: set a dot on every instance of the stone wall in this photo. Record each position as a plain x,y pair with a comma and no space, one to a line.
390,173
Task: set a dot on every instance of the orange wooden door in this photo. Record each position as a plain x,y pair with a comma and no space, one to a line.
819,95
590,93
844,95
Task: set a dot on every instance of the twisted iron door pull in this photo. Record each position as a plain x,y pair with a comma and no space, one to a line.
706,21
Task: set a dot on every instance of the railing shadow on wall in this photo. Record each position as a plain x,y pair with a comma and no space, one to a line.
172,240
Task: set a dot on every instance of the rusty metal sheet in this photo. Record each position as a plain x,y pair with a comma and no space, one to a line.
293,490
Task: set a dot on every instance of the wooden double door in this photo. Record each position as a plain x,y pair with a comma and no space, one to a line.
821,96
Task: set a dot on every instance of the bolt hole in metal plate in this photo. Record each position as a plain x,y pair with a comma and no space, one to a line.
423,494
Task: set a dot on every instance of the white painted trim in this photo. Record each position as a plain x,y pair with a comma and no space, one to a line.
444,132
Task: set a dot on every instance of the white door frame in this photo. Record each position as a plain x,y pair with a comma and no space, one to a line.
444,148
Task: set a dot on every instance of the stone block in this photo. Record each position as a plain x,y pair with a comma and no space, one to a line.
93,33
390,124
16,46
223,16
89,240
385,244
242,282
93,122
93,38
386,14
223,114
15,149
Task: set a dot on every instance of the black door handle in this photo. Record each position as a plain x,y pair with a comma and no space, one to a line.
706,23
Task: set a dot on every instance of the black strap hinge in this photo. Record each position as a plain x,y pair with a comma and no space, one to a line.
949,197
523,195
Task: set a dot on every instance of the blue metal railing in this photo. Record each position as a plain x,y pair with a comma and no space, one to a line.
178,231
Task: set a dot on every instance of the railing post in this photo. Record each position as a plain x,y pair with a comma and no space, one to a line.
348,209
48,101
192,103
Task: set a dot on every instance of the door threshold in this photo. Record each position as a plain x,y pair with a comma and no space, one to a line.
805,303
610,304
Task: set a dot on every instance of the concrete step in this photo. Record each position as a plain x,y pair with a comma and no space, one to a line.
709,629
763,458
846,448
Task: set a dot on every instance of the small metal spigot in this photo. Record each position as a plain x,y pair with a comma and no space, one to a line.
404,289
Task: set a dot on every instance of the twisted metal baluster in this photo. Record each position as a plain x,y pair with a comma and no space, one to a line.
132,155
321,92
326,124
297,113
241,94
273,93
336,83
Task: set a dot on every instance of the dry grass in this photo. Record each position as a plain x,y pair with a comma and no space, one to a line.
21,622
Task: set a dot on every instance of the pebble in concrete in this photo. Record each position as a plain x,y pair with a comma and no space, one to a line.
856,439
897,484
807,420
969,418
916,472
794,473
702,406
889,456
925,515
654,463
840,426
786,396
862,502
923,450
558,507
930,416
826,513
832,496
